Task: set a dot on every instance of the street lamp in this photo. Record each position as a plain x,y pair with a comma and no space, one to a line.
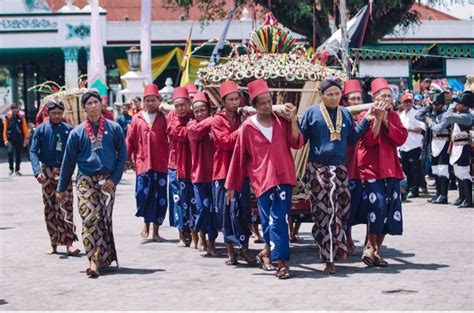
133,56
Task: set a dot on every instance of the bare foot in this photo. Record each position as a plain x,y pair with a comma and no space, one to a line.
145,231
202,245
93,270
213,252
158,238
330,268
182,244
231,261
53,249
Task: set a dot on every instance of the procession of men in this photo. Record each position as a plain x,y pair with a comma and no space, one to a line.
201,164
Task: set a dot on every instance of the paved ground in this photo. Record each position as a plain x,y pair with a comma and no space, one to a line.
431,266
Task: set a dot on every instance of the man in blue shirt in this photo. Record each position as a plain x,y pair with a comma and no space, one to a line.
124,119
330,128
98,148
48,145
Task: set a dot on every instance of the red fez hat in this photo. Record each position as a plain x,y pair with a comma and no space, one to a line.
351,86
180,93
407,96
378,84
191,88
151,90
256,88
200,96
227,88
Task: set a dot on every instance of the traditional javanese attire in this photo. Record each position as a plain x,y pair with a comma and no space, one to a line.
202,152
47,147
236,217
264,153
173,184
100,152
326,175
147,142
177,131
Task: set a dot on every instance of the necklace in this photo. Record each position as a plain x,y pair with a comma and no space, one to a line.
96,141
335,133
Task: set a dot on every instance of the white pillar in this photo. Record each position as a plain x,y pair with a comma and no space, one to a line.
71,70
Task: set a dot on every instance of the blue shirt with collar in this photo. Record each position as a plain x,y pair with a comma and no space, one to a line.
48,145
314,129
108,161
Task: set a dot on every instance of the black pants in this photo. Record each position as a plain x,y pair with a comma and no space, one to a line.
411,164
14,147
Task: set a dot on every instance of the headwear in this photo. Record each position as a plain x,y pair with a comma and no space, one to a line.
418,97
351,86
227,88
378,84
328,83
51,105
256,88
151,90
439,99
85,97
406,96
467,99
191,88
137,98
201,96
180,93
13,106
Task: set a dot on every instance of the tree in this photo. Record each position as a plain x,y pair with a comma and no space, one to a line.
297,15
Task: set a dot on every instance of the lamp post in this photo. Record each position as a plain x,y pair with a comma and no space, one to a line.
134,79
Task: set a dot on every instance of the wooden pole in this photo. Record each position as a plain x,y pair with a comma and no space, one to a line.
344,36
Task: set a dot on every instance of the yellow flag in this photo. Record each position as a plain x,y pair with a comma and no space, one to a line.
187,51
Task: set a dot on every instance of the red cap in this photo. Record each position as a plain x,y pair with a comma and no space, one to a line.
191,88
151,90
227,88
351,86
180,93
256,88
200,96
407,96
378,84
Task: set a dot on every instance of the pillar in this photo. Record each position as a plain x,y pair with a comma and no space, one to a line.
14,84
71,70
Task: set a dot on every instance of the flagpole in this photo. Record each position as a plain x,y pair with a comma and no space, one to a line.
344,36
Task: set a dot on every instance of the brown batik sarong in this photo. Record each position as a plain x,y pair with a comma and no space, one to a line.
95,208
330,207
58,218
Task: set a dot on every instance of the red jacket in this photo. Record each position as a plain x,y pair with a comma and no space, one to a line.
202,150
148,146
378,158
108,115
224,135
268,163
351,163
178,132
172,158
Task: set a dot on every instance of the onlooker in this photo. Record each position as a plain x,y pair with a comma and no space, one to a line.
15,136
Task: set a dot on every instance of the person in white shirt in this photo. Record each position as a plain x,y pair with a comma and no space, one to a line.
410,151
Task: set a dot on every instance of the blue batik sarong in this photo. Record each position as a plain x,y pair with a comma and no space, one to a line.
150,194
203,195
187,216
384,206
234,219
173,197
358,203
274,206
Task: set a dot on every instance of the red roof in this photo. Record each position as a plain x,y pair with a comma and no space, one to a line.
427,13
118,10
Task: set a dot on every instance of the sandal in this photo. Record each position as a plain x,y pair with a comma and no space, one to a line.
92,273
367,258
380,262
265,262
283,272
74,252
250,259
351,250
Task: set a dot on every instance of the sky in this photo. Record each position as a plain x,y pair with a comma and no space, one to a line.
464,10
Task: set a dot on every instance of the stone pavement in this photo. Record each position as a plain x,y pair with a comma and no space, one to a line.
430,266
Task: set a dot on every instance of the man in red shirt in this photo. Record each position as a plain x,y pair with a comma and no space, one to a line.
147,144
352,95
263,150
381,173
236,218
202,153
178,131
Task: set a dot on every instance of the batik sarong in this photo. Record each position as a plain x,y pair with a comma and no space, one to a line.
385,206
204,209
236,217
330,206
359,204
173,197
58,218
187,214
150,193
274,206
95,209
